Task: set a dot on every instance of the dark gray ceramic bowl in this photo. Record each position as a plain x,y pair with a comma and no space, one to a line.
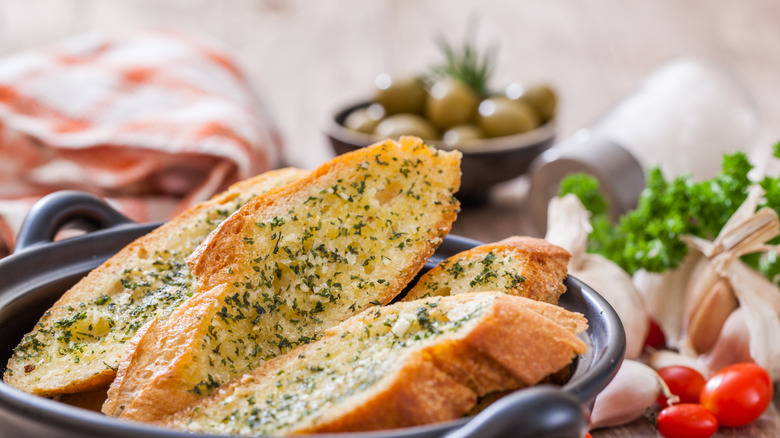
485,162
41,270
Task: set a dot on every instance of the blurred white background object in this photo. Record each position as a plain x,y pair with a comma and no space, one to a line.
683,117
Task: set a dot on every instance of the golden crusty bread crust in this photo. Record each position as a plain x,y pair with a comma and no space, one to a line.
76,345
293,262
406,364
158,358
523,266
419,393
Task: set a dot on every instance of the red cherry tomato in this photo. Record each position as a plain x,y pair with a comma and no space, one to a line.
588,435
687,420
655,336
738,394
684,382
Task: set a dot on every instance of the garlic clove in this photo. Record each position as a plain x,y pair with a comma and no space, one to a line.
733,344
631,392
703,277
666,358
568,226
711,313
615,285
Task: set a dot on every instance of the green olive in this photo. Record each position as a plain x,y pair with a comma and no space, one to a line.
365,119
406,124
541,98
399,94
499,116
450,102
460,133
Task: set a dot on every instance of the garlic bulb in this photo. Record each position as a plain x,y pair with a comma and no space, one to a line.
568,228
746,232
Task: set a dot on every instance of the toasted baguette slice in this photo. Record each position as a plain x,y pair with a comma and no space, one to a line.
76,345
522,266
406,364
161,360
290,264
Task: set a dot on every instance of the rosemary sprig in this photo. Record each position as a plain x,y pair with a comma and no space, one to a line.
467,65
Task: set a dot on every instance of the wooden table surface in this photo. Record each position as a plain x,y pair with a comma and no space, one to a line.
305,58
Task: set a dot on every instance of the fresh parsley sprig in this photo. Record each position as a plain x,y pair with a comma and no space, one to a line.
648,237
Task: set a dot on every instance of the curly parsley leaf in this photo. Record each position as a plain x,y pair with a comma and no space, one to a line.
586,187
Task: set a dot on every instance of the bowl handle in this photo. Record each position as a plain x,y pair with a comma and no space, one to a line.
540,411
52,212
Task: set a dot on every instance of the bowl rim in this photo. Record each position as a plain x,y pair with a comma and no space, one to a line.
336,130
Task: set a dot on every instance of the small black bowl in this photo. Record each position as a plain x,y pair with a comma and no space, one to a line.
41,270
485,162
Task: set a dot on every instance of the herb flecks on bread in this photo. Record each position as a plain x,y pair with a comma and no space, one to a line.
76,345
406,364
523,266
291,264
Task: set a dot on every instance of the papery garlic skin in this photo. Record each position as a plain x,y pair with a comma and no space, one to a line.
631,392
568,227
761,299
703,278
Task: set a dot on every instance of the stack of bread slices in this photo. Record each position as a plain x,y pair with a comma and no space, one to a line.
267,310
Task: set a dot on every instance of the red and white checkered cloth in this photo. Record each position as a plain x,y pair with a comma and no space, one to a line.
153,121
